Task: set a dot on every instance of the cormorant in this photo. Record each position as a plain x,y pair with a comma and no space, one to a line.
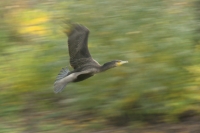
80,59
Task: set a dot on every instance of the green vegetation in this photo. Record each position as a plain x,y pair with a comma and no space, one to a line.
159,84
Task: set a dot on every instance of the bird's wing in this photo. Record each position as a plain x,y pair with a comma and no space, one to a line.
78,46
63,79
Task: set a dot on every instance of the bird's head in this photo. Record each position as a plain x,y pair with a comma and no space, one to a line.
112,64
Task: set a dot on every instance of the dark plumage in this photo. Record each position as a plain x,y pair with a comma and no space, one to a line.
80,59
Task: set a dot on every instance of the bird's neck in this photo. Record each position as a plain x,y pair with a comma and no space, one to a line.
106,66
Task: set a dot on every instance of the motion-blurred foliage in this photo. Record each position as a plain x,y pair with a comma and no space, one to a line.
156,37
31,22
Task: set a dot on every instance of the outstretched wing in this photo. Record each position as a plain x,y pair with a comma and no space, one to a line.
78,46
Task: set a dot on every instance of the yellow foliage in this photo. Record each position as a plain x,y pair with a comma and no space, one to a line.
36,21
39,30
30,21
196,71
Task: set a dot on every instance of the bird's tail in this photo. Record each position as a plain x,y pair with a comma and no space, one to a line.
59,85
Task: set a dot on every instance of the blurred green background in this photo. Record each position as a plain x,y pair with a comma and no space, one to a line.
159,38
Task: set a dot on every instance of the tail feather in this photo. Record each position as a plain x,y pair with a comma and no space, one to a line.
63,73
58,85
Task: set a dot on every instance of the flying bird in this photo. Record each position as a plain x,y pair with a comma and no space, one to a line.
80,59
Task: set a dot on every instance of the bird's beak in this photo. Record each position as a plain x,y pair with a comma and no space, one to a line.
121,62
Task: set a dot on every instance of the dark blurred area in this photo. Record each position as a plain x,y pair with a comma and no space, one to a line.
157,91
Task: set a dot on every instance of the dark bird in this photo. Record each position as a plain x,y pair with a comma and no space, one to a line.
80,59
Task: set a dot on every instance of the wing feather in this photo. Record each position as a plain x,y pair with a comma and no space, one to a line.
78,45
